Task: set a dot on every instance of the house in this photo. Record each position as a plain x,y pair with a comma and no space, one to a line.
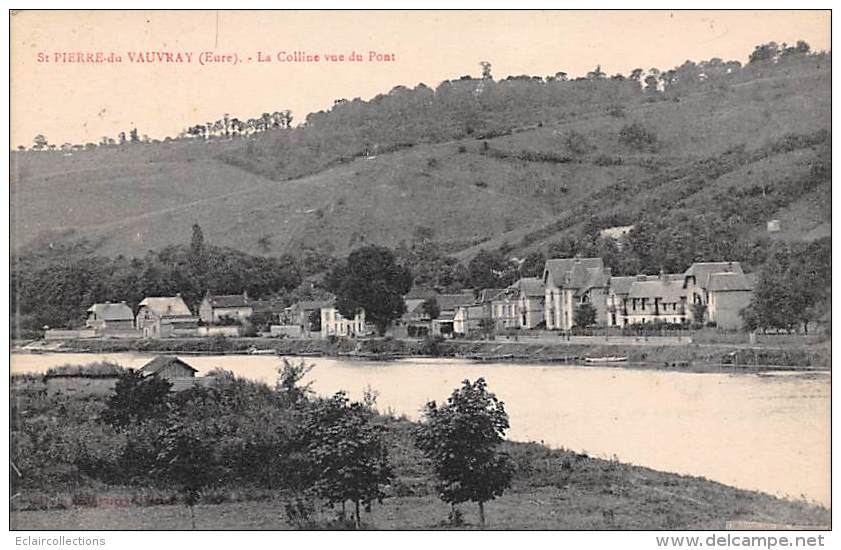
505,309
165,316
727,294
215,309
448,305
297,319
723,288
656,298
570,283
94,379
531,297
334,323
172,369
617,300
416,321
110,317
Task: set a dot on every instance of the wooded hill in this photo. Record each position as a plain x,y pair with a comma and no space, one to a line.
700,157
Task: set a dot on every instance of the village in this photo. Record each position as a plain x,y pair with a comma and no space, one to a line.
573,293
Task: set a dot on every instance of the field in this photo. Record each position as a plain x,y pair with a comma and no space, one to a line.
553,490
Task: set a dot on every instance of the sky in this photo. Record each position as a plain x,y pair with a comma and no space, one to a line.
81,102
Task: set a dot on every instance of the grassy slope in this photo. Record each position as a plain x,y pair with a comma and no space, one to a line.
551,490
143,197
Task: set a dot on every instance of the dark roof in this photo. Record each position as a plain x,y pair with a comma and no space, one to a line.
93,370
310,305
449,302
702,271
112,312
668,291
621,285
488,294
158,364
572,272
228,300
420,293
723,282
530,286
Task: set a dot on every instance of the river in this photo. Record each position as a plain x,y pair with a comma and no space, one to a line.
766,432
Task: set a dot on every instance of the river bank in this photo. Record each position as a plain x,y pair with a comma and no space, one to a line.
687,357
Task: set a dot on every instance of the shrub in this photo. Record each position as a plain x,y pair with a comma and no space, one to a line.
638,137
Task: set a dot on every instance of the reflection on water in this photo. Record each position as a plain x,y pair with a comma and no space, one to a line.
769,433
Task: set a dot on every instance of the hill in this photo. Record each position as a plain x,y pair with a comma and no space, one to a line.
514,165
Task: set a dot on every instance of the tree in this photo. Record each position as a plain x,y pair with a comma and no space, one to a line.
699,313
431,308
187,459
370,280
40,142
489,269
585,315
315,320
198,257
134,136
347,451
461,438
136,398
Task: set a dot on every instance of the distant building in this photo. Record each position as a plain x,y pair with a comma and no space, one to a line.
334,323
96,379
296,321
449,304
659,298
172,369
163,317
108,316
531,297
727,295
570,283
213,309
773,226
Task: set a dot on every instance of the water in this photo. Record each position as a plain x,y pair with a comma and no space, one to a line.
764,432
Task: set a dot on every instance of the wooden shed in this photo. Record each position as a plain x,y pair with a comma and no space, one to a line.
172,369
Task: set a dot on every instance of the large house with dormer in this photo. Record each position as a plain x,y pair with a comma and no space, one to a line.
570,283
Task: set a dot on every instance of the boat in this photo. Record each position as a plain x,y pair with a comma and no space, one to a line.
608,359
255,351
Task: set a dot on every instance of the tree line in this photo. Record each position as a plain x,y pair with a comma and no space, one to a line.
234,433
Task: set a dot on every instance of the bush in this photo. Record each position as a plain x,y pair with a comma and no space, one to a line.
638,137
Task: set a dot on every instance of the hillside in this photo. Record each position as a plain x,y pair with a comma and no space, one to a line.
517,172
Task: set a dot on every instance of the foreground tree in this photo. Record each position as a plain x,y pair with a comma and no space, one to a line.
187,461
461,438
347,453
136,399
371,280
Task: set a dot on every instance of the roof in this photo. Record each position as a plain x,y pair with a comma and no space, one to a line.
267,305
702,270
158,364
571,272
666,290
448,302
530,286
171,306
112,312
420,293
228,300
93,370
310,305
488,294
723,282
621,285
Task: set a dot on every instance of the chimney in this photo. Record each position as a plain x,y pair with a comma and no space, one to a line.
662,274
729,266
245,295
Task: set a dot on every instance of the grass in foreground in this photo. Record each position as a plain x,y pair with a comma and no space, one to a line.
553,489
